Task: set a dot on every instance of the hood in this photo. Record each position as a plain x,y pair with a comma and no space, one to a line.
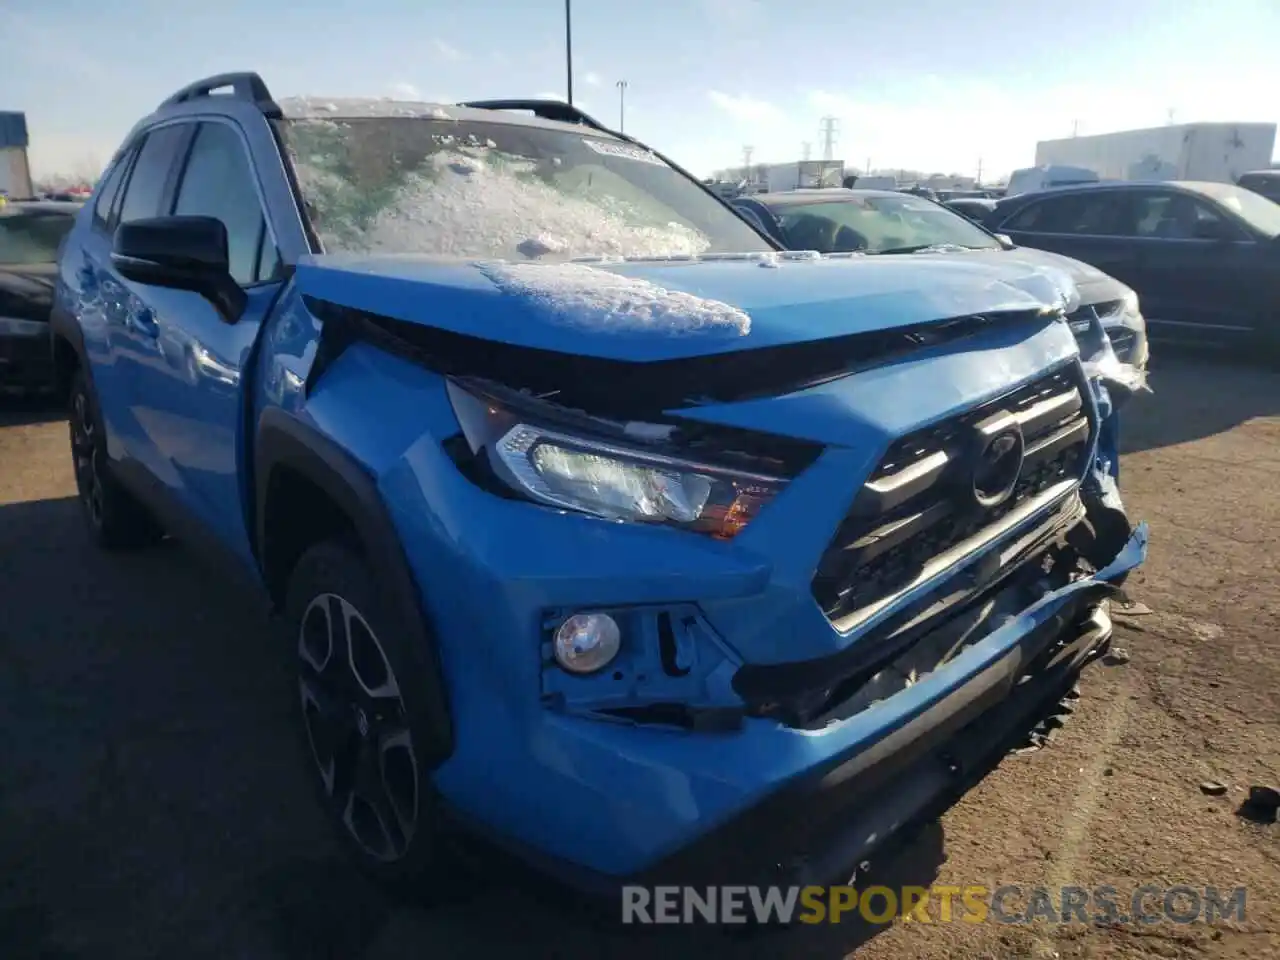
26,292
1093,285
663,310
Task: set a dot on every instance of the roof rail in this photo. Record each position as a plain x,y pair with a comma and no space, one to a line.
556,110
244,85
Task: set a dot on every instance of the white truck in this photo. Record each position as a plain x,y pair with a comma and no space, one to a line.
1218,152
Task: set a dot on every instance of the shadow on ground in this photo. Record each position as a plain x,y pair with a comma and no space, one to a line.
1193,398
153,801
19,411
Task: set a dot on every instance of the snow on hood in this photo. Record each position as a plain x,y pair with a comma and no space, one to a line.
645,310
582,295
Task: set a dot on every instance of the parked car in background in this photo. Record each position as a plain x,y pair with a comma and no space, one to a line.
1029,179
601,526
1204,257
30,233
976,209
1265,183
880,222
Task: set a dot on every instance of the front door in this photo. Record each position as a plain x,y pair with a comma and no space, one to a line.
1196,270
190,399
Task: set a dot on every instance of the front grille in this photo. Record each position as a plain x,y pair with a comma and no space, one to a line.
1081,318
919,507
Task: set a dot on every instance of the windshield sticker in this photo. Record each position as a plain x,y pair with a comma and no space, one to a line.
625,151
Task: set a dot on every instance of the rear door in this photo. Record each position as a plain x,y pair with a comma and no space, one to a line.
1083,224
129,307
96,296
1196,269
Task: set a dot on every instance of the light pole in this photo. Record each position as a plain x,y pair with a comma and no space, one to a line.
622,106
568,46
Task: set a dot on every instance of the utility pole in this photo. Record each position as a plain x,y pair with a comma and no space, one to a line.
827,127
746,162
979,180
1075,128
622,106
806,150
568,47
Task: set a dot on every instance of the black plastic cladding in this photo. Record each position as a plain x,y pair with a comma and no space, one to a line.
639,391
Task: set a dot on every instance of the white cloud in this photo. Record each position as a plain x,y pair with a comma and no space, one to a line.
591,78
745,109
403,90
448,51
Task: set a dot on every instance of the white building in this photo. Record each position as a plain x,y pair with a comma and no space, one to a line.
1184,151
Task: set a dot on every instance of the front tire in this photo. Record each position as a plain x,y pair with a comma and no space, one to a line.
116,520
363,719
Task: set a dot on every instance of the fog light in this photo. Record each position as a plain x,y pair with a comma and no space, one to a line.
587,642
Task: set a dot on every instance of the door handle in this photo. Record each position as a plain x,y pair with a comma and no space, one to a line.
144,322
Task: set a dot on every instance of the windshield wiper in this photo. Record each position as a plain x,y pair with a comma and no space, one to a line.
927,248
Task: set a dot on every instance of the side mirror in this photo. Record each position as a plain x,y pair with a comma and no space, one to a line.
181,253
1006,241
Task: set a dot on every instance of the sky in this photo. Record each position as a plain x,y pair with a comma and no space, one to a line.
932,85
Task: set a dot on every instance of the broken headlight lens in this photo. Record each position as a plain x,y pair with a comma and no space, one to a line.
563,468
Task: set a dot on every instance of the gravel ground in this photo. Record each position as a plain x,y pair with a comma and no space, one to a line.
153,804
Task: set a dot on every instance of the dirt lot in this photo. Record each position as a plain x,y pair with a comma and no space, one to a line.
152,802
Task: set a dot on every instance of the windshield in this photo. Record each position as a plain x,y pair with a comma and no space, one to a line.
873,224
511,191
1256,210
32,238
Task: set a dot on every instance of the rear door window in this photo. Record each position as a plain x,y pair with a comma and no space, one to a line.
1172,216
104,206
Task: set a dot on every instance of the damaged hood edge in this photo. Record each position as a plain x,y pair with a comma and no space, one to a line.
652,311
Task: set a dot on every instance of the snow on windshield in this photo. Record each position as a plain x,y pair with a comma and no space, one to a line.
586,296
312,108
467,198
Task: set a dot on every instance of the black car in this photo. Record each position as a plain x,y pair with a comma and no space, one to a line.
30,234
1265,183
1203,257
976,209
885,222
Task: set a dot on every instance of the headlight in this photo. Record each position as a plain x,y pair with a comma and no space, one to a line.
561,467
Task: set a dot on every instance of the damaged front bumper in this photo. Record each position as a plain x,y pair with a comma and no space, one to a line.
777,802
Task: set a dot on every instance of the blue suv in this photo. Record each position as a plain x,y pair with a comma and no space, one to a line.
602,528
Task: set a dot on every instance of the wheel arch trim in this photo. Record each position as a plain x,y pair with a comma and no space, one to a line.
283,440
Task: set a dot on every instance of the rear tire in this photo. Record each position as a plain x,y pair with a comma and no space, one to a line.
116,520
363,720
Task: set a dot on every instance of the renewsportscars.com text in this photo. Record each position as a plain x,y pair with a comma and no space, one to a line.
1009,903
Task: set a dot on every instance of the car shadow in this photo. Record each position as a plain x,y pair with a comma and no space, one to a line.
155,792
322,909
1196,397
17,411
